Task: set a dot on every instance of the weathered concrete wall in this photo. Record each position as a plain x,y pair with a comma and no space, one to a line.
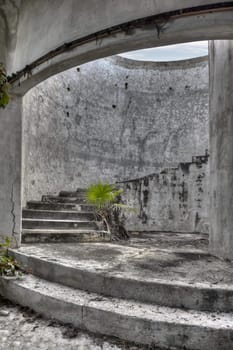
37,34
221,146
173,200
10,165
112,120
2,41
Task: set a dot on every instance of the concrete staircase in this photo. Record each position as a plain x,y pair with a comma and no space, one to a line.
63,218
100,288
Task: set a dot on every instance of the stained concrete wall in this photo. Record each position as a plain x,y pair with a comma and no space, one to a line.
2,41
112,120
221,133
173,200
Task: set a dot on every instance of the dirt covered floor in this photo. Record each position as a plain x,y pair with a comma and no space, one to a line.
167,256
145,257
22,329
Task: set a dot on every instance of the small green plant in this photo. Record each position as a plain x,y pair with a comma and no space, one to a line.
8,265
106,200
4,87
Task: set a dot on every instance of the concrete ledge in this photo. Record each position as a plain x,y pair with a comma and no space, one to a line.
131,321
112,282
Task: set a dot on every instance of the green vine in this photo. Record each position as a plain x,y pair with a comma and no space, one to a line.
4,87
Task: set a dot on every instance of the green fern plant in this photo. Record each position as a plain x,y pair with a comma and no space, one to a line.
106,200
102,195
4,87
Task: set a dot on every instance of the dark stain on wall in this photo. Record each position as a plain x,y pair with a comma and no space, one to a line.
145,197
197,220
146,181
185,167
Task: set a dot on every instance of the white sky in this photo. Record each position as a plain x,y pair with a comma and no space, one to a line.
170,53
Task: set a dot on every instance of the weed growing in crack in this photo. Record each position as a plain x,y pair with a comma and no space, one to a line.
8,265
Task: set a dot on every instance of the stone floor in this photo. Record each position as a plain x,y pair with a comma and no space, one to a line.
22,329
178,257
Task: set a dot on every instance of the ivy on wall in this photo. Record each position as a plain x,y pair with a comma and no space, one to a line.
4,87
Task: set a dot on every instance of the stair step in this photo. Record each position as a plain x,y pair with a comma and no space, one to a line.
85,207
78,192
128,320
58,206
63,236
50,206
100,274
59,199
58,214
30,223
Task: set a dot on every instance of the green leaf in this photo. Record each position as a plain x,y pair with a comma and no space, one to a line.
102,194
4,87
4,100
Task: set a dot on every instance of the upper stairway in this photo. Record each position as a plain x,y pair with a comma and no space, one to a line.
64,218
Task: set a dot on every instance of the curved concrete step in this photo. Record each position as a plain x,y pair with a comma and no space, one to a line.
63,236
77,268
58,215
31,223
131,321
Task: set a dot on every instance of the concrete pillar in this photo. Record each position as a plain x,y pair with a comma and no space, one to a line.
221,147
10,170
2,41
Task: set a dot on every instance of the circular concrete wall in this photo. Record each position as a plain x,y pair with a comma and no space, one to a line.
113,119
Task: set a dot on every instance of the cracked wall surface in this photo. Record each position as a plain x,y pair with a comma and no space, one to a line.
112,120
10,175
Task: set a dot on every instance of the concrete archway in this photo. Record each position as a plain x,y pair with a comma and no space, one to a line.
199,23
45,48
